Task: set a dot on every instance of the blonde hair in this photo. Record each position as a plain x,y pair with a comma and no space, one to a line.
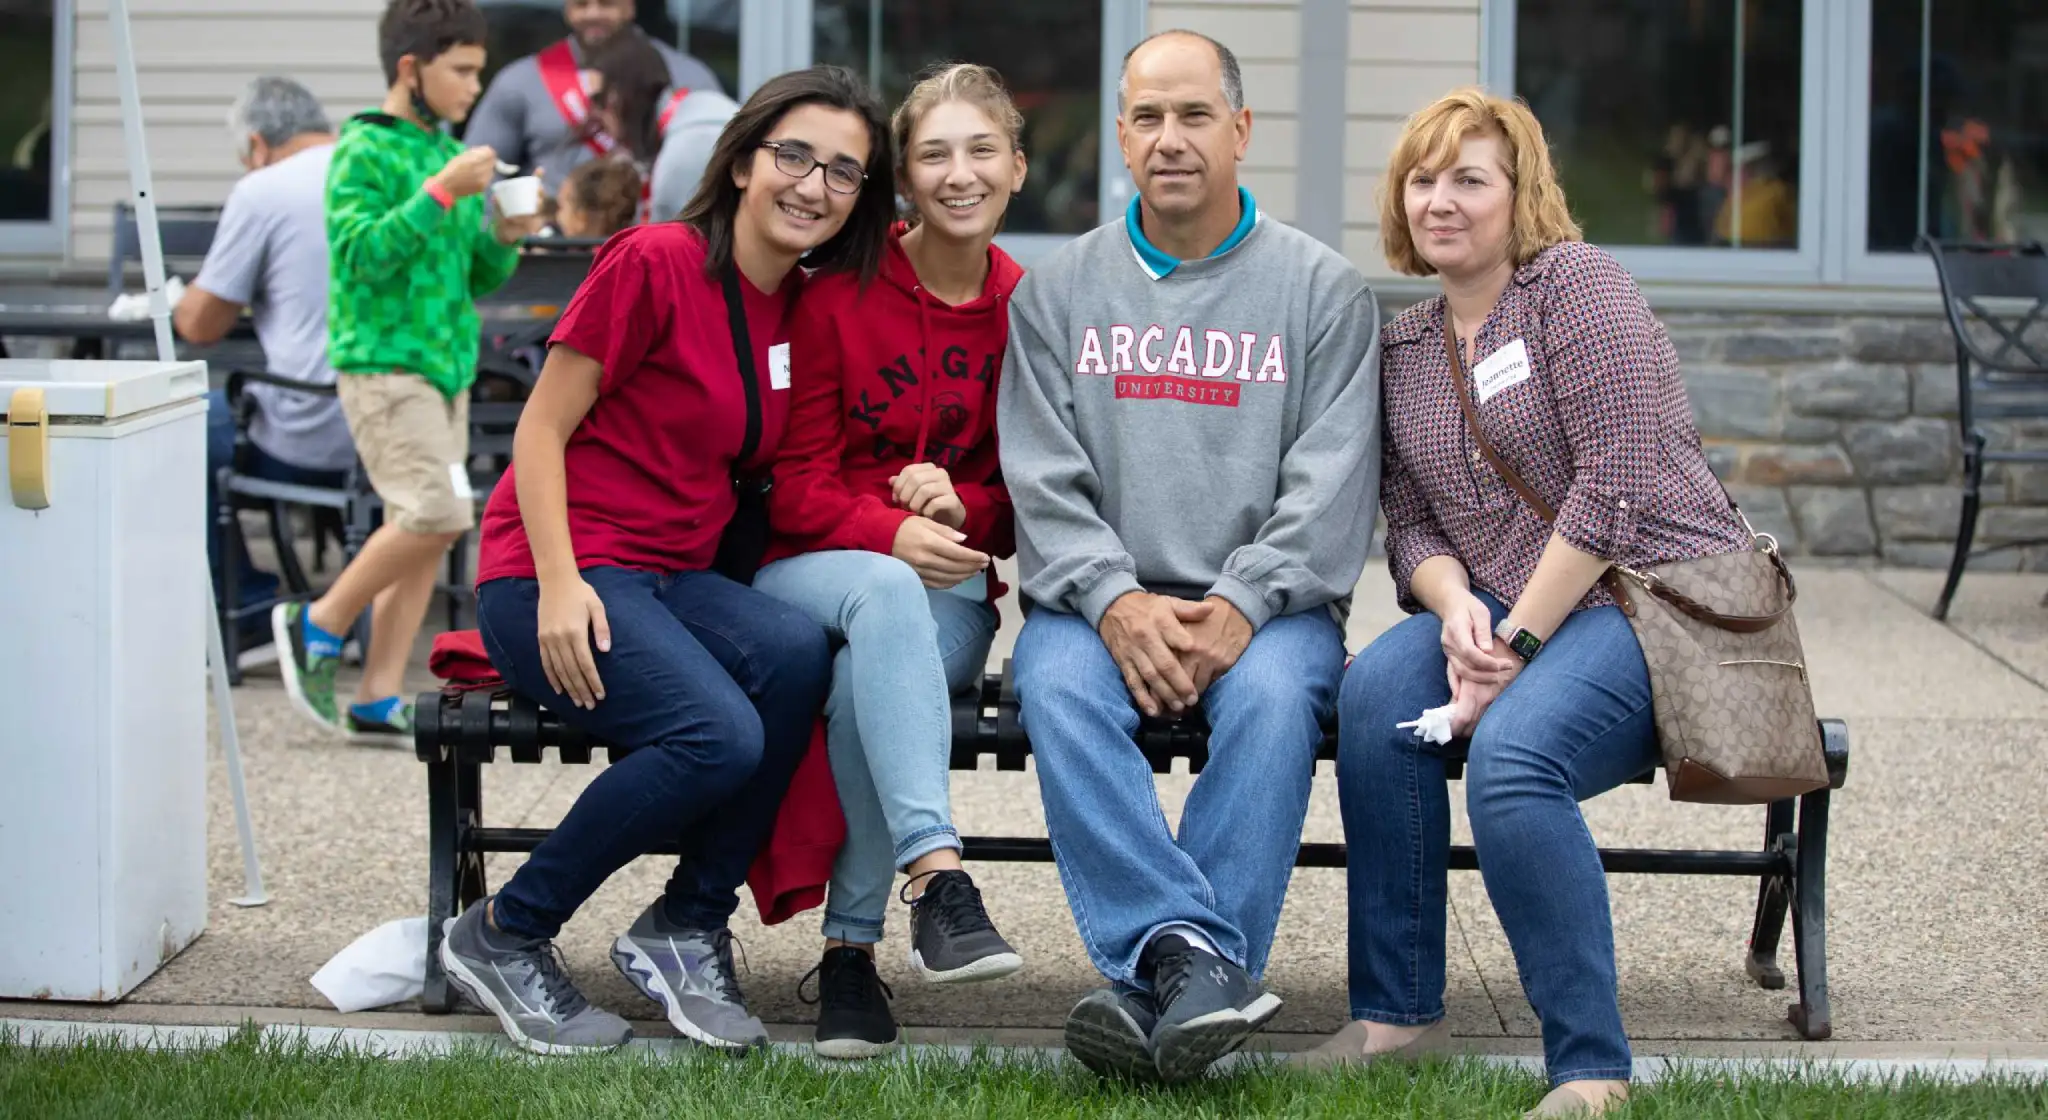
979,86
1430,141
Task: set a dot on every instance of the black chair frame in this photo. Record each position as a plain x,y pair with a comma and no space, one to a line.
2001,368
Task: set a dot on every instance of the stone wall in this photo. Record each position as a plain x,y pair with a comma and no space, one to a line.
1838,435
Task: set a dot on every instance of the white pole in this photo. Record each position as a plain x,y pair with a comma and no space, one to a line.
166,350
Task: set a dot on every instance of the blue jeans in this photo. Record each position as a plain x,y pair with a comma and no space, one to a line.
1127,876
251,585
1575,723
889,723
713,687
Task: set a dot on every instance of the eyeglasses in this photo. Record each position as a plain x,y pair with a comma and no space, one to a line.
797,163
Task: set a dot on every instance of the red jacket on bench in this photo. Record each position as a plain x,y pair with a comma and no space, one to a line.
789,875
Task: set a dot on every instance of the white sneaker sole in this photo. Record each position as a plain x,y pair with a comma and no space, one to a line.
459,974
288,669
637,967
992,967
852,1049
1197,1044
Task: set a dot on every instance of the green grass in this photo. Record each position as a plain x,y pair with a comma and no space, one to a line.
265,1076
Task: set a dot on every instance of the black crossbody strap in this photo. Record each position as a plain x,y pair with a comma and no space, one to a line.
743,350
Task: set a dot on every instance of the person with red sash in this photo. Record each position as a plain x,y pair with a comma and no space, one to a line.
537,112
667,132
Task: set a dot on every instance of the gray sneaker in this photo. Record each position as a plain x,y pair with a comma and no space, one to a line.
689,973
528,989
1110,1032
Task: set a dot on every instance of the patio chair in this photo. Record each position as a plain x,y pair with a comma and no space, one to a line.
1996,300
239,492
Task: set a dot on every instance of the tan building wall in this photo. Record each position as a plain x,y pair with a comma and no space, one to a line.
192,56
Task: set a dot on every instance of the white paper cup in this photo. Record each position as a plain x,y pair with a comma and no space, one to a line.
516,198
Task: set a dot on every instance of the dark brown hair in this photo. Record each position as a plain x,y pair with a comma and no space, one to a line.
609,191
635,77
857,247
425,29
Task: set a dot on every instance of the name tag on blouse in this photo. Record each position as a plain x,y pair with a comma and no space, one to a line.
778,366
1506,366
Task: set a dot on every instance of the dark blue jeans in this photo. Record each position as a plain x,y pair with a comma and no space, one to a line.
251,585
1575,723
714,687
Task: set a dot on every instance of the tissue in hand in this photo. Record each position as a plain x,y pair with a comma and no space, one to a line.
130,307
1432,726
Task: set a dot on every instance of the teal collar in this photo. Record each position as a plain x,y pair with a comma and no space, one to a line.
1157,263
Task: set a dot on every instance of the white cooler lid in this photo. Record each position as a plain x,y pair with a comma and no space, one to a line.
102,390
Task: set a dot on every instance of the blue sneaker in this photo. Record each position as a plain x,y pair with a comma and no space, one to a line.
384,723
307,658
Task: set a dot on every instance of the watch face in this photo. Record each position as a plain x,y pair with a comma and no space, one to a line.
1525,644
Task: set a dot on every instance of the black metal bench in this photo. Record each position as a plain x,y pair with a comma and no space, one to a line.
457,732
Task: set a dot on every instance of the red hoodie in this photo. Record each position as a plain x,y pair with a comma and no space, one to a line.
880,380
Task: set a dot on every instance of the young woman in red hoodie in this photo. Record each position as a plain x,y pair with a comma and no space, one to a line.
887,509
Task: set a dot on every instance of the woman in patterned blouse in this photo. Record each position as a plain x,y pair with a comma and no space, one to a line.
1577,389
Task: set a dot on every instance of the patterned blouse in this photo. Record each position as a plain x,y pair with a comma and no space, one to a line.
1595,420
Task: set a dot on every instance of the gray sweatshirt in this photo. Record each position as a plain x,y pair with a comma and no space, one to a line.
1193,428
518,117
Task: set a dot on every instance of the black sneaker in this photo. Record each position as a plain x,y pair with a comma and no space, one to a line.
1110,1032
854,1021
1207,1007
951,939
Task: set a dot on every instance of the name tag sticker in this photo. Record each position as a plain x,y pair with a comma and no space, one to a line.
1506,366
778,366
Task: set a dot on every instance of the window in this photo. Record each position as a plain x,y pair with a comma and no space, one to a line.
35,103
1057,82
1671,123
1958,128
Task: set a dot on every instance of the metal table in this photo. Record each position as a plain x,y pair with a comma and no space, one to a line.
80,313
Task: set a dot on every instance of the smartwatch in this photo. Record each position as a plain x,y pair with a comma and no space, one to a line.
1518,639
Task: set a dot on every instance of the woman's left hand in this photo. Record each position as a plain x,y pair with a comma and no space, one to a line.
926,489
1470,698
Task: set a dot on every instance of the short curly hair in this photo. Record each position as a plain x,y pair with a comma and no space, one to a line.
425,29
1430,142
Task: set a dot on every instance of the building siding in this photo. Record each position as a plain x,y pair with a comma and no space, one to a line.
191,58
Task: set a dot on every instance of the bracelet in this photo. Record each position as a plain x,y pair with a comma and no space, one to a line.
440,194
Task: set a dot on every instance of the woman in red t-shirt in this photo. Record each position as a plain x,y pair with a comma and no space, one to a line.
887,508
595,594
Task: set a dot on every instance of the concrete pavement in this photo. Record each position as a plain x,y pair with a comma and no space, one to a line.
1936,921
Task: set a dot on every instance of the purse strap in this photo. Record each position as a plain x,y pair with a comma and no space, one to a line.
1735,623
743,350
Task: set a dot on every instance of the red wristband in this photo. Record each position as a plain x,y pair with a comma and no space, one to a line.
440,194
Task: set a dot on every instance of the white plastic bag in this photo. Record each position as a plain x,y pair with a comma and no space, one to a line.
384,966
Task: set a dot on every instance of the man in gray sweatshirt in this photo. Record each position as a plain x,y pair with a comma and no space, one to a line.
1189,413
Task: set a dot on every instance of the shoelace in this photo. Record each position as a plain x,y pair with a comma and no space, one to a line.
852,984
1170,977
553,969
728,977
952,900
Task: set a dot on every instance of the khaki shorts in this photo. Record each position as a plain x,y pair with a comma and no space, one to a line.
411,440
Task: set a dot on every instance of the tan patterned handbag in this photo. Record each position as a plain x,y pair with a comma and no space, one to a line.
1728,684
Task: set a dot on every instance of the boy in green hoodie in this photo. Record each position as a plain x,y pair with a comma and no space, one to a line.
410,250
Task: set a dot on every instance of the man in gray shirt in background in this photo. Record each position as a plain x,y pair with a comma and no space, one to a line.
1191,436
270,253
536,112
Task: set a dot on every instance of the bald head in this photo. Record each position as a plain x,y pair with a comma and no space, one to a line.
1177,44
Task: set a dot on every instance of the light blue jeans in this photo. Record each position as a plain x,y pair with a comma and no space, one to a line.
1575,723
1126,874
903,650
